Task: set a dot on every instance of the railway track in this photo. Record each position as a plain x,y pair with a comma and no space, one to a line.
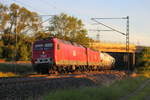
78,74
34,86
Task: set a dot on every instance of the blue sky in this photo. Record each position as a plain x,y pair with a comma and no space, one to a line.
137,10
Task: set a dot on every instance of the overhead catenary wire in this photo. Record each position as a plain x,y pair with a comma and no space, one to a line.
125,34
47,3
108,26
24,4
111,18
45,15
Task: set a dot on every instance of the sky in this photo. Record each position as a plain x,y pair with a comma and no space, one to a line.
137,10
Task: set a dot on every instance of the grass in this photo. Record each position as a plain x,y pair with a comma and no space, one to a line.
16,68
112,92
8,74
142,95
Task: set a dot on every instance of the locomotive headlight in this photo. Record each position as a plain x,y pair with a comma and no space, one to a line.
51,59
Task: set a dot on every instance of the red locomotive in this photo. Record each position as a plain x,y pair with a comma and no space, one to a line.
64,56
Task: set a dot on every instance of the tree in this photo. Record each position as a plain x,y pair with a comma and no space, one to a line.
18,26
69,28
42,35
8,52
24,53
143,58
16,19
1,48
3,17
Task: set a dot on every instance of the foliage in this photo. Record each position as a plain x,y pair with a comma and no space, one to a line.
143,60
1,52
9,52
42,35
1,49
24,52
69,28
144,57
19,20
19,28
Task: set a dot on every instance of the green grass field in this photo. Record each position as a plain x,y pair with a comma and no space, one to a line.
115,91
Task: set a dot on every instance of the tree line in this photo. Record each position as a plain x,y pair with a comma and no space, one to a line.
20,27
143,58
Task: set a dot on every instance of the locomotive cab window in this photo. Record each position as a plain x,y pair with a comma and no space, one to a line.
48,46
38,46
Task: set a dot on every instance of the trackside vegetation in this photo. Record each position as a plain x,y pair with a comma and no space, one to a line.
142,95
114,91
143,59
19,69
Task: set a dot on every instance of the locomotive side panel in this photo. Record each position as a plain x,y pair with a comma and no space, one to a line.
93,57
68,54
81,56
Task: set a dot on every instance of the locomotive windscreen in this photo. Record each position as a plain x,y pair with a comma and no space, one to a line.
38,47
43,46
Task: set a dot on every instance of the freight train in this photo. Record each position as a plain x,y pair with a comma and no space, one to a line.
56,55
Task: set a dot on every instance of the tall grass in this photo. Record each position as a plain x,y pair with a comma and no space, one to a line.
112,92
16,68
7,74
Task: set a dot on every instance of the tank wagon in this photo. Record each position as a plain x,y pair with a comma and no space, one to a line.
56,55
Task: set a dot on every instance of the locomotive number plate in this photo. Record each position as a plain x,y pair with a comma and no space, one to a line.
43,56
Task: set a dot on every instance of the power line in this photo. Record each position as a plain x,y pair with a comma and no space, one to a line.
35,9
49,3
125,34
45,20
25,5
111,18
108,26
55,7
99,30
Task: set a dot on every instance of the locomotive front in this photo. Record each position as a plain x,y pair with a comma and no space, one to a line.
43,55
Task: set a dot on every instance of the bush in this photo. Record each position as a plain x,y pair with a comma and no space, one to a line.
143,59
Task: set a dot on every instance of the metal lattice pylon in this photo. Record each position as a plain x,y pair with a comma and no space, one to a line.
123,33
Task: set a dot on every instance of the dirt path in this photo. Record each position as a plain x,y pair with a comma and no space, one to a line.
136,91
